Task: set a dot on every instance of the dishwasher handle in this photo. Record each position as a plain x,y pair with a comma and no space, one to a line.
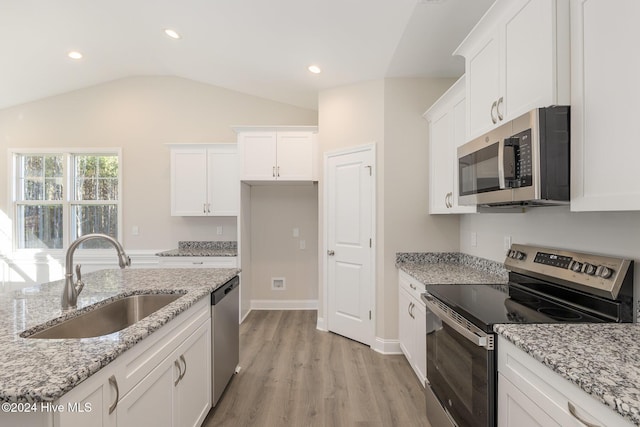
222,291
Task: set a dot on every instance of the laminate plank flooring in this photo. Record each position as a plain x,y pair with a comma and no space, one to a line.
294,375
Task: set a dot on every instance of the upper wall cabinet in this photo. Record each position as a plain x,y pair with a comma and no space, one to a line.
604,109
446,133
278,154
516,59
204,180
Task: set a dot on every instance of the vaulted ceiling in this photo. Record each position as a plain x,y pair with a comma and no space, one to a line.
259,47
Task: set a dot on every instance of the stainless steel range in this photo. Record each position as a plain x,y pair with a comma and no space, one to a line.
545,286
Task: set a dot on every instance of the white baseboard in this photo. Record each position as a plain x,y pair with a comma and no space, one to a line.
321,325
264,304
383,346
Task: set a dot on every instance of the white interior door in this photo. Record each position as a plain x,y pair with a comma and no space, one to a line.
350,182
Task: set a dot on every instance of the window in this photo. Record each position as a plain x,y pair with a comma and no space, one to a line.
60,196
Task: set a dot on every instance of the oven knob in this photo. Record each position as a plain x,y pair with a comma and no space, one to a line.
604,272
519,255
589,269
576,266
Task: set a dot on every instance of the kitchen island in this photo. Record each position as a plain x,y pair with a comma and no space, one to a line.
43,370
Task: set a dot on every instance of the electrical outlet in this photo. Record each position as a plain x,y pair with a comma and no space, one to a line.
303,244
135,230
474,239
219,230
507,243
296,232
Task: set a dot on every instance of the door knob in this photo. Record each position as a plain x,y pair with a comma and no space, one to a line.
331,253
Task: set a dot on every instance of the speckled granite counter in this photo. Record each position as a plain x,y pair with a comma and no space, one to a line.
435,268
34,370
190,248
601,359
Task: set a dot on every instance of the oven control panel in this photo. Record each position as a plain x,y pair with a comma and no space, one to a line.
599,274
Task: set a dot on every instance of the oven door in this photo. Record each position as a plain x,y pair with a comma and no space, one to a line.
460,369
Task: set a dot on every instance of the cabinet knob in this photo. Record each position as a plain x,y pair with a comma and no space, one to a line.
331,252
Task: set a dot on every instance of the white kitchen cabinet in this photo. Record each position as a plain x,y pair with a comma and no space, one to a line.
604,94
278,154
198,262
412,325
516,59
177,392
204,180
447,130
141,386
530,394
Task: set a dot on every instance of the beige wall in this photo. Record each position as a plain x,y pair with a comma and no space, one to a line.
141,115
389,113
275,211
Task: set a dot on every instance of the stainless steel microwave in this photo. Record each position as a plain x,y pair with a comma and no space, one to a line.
524,162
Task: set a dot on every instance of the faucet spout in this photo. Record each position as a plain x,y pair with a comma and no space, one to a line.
72,289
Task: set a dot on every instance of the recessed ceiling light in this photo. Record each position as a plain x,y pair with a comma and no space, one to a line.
172,33
74,54
315,69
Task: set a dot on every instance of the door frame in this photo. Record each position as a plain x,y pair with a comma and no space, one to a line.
325,238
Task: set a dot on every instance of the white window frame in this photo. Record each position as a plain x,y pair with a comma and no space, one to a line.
67,200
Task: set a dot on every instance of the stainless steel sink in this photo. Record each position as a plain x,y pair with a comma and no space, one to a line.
109,318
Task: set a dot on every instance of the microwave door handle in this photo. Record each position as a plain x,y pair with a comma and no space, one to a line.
501,182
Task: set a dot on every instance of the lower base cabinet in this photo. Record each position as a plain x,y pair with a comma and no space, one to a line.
530,394
412,326
164,380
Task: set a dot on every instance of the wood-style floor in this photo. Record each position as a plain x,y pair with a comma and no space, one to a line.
295,375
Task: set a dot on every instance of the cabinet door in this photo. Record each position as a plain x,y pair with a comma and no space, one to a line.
150,402
420,340
441,161
223,181
516,409
258,156
193,397
87,405
405,324
295,156
483,68
530,52
604,94
188,182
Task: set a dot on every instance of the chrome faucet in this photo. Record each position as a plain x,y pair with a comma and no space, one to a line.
71,290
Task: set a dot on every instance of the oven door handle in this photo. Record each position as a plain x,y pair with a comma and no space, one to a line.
468,331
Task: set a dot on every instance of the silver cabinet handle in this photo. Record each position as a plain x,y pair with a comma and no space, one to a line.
331,253
175,362
208,207
273,171
185,367
114,383
572,410
500,102
197,263
204,208
412,287
409,310
494,107
278,172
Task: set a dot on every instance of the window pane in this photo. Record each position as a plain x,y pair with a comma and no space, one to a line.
40,227
96,177
41,177
86,219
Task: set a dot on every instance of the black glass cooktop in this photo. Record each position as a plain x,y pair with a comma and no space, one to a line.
486,305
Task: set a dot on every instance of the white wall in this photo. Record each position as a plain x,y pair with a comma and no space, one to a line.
389,113
141,115
609,233
275,252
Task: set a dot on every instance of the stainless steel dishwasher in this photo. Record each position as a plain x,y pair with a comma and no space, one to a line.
225,339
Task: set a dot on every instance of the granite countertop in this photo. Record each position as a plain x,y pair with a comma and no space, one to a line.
204,248
437,268
601,359
34,370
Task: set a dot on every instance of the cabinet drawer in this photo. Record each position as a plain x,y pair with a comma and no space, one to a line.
412,286
199,262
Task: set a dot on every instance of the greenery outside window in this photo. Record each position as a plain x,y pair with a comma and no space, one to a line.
60,196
